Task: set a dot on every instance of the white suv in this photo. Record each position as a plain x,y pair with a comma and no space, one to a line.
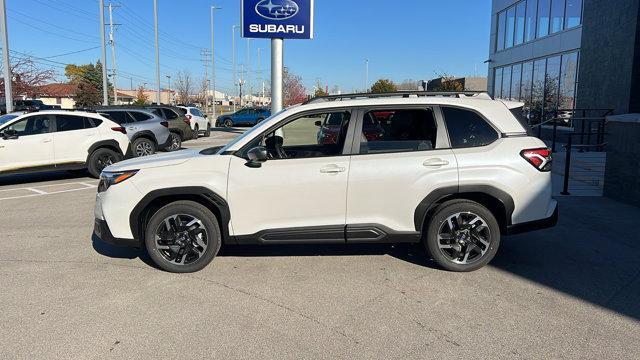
453,172
198,121
60,140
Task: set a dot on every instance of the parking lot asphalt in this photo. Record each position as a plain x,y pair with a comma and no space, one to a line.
568,292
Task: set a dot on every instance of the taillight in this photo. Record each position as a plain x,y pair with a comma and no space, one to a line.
164,123
540,158
188,116
119,129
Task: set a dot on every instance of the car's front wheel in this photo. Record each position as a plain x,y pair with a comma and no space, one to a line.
183,237
100,159
176,142
228,123
196,132
462,235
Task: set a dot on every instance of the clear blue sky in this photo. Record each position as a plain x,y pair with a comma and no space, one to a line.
412,39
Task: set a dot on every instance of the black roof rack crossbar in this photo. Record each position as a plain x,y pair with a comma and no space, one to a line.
458,94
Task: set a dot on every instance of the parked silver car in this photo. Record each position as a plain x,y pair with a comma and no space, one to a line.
147,132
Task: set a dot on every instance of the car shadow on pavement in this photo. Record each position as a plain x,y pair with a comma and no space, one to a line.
16,179
411,253
118,252
233,130
592,254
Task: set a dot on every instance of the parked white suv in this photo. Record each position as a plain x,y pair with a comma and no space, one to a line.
60,140
199,121
453,172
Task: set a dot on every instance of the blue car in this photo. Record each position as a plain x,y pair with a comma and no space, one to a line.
248,116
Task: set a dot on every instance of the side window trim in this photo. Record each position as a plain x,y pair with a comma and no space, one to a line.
350,130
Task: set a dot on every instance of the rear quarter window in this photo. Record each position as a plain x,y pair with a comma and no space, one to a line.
518,113
467,128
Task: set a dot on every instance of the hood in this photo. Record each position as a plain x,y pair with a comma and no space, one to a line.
153,161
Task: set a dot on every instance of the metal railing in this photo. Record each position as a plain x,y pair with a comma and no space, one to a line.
567,164
567,119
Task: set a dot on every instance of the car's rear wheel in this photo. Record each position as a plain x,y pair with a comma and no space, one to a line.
228,123
462,235
196,132
207,132
100,159
143,147
176,142
183,237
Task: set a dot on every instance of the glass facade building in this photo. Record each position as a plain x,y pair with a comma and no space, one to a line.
535,53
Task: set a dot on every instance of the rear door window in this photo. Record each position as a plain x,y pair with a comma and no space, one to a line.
119,117
71,123
467,128
398,130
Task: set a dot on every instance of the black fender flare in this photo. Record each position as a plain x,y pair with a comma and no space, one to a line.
200,194
438,196
109,144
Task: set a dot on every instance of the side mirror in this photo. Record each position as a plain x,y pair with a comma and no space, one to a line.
257,156
10,134
318,123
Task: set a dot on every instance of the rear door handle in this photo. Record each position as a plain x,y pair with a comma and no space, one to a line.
435,162
332,169
46,140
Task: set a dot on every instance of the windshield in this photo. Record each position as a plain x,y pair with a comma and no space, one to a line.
254,129
7,117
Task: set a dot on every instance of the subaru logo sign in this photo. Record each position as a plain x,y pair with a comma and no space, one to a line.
277,9
277,19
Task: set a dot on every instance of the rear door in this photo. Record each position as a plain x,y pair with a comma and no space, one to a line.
401,155
32,148
72,138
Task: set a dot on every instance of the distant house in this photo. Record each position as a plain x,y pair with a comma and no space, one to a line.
63,94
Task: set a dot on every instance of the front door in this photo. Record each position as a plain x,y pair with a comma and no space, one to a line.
403,155
33,146
300,193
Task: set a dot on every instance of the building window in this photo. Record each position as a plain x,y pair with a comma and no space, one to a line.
506,83
511,24
516,84
537,89
552,84
573,16
557,15
501,30
530,20
568,77
497,83
520,14
544,8
527,80
58,100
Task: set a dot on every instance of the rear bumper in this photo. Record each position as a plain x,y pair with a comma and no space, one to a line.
549,222
102,232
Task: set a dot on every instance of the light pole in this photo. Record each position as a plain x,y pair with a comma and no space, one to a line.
248,80
276,75
103,56
213,62
366,75
170,97
235,75
155,25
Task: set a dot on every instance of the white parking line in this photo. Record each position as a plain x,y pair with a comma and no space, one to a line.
39,191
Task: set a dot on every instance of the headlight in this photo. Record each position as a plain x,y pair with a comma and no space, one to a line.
112,178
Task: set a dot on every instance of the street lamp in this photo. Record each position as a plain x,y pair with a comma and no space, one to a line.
235,75
170,97
213,61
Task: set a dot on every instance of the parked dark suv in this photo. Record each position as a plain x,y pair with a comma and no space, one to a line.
179,125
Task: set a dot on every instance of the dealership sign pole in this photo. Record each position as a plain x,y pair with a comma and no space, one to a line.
277,20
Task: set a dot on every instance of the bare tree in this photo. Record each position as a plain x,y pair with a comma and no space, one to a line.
184,86
27,77
293,90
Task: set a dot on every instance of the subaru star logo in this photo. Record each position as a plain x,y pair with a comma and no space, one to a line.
277,9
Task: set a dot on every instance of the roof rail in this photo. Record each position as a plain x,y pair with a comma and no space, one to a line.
404,94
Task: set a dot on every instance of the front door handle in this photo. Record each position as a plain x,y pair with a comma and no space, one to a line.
46,140
435,162
332,169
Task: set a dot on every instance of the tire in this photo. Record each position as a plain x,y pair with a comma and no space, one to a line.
197,256
259,121
100,159
196,132
207,132
227,123
143,146
473,241
176,142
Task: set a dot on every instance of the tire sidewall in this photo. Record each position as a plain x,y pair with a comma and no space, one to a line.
140,140
175,138
207,132
441,214
189,208
92,166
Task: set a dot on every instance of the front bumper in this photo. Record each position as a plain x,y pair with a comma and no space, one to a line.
549,222
102,232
